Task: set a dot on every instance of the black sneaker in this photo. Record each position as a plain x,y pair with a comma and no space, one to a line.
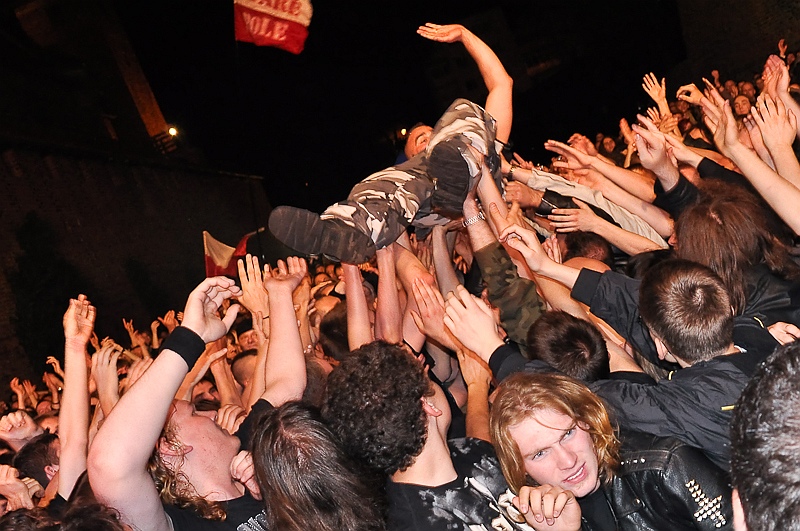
307,234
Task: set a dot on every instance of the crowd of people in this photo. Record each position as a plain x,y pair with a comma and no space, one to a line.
602,342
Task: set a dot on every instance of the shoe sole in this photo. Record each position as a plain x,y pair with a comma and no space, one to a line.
307,234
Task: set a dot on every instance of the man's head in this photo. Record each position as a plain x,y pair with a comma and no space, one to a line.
376,403
205,396
191,450
765,446
243,366
741,106
333,333
246,335
417,139
573,346
526,395
688,311
749,90
39,459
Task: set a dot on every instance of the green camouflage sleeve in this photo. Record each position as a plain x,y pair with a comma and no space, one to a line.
515,296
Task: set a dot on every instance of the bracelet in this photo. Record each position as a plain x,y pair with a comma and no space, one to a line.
186,344
473,220
511,171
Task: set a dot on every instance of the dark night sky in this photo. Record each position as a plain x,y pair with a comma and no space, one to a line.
316,123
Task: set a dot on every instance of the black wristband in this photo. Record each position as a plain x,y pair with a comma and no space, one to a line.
186,344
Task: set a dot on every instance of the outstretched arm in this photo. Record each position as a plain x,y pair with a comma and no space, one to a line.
74,425
285,372
119,454
781,195
497,80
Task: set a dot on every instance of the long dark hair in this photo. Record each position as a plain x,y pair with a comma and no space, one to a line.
306,480
726,231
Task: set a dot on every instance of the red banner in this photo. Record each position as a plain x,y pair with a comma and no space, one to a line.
279,23
221,259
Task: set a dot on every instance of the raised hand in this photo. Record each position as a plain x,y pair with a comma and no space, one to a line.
261,328
56,365
526,241
230,417
104,374
576,160
522,163
254,297
472,322
200,314
18,389
726,134
243,471
681,152
430,319
447,33
14,490
523,195
79,321
582,144
652,147
553,249
654,89
652,113
626,131
287,275
757,140
95,341
669,125
30,391
17,428
474,370
778,125
169,321
690,93
52,382
130,329
782,47
574,219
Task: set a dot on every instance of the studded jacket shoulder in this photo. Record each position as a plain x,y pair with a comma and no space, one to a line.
664,484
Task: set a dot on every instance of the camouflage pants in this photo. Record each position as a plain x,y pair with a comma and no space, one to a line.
386,202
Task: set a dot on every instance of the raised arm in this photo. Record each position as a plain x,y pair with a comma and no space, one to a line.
74,424
777,125
388,313
119,454
285,371
584,219
359,329
781,195
497,80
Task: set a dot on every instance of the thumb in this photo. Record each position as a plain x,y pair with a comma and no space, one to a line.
581,204
230,316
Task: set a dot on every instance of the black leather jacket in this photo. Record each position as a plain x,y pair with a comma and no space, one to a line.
663,484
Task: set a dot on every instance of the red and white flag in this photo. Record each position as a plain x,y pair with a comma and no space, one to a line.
279,23
221,258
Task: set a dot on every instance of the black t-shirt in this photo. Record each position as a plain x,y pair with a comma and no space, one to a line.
463,504
244,514
596,510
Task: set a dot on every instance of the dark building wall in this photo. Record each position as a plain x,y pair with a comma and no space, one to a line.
127,235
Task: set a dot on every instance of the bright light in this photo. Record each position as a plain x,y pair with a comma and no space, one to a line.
403,132
172,131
